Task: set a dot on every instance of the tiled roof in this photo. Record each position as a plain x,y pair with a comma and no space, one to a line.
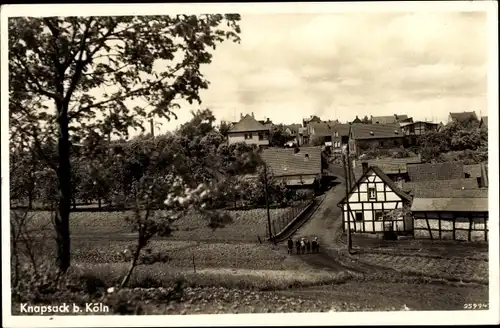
436,171
457,184
463,116
391,119
322,129
451,193
376,131
384,178
285,162
342,129
450,204
248,123
387,165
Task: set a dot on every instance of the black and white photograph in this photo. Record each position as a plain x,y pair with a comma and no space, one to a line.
248,164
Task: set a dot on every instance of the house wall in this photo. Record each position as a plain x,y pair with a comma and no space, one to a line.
471,226
236,137
386,200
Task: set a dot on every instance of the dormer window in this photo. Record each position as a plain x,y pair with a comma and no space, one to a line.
371,132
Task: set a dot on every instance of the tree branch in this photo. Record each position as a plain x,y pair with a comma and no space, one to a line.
35,81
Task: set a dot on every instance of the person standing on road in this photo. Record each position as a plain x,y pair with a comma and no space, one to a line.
297,245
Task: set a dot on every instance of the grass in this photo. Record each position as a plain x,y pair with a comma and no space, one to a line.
247,225
180,254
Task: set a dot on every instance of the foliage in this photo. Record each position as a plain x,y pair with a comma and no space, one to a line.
278,136
70,61
455,136
366,120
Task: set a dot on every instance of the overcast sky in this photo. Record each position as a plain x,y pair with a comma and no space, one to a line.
337,66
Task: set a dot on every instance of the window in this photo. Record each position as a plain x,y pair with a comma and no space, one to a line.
381,144
328,138
379,215
261,136
372,193
248,136
359,216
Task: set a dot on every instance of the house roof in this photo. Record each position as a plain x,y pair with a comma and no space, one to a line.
402,117
444,192
322,128
463,116
294,128
384,178
455,184
390,119
376,131
342,129
388,165
285,162
450,204
248,123
435,171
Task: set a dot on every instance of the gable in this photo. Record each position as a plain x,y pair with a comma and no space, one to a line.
384,192
386,189
248,123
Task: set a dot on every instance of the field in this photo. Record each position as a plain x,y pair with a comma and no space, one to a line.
238,274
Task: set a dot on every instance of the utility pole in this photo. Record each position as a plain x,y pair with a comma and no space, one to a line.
347,188
267,203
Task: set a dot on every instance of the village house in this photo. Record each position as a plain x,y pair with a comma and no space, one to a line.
412,130
372,136
462,117
292,131
249,131
395,168
376,205
311,119
356,120
340,137
322,131
391,119
450,214
300,168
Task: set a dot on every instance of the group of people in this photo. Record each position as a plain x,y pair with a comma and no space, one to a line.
303,245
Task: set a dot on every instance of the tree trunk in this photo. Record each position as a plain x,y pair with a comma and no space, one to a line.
64,186
132,266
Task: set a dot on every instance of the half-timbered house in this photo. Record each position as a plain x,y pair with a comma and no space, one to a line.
376,205
451,214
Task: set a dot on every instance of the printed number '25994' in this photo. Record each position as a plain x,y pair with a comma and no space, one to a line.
475,306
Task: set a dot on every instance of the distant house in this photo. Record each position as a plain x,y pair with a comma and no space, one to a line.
299,169
484,121
303,136
435,171
267,123
391,119
323,130
292,132
356,120
249,131
340,137
376,204
311,119
412,130
441,213
462,117
367,136
395,168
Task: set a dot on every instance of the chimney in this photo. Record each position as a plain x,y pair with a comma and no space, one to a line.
241,116
364,165
253,115
306,157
